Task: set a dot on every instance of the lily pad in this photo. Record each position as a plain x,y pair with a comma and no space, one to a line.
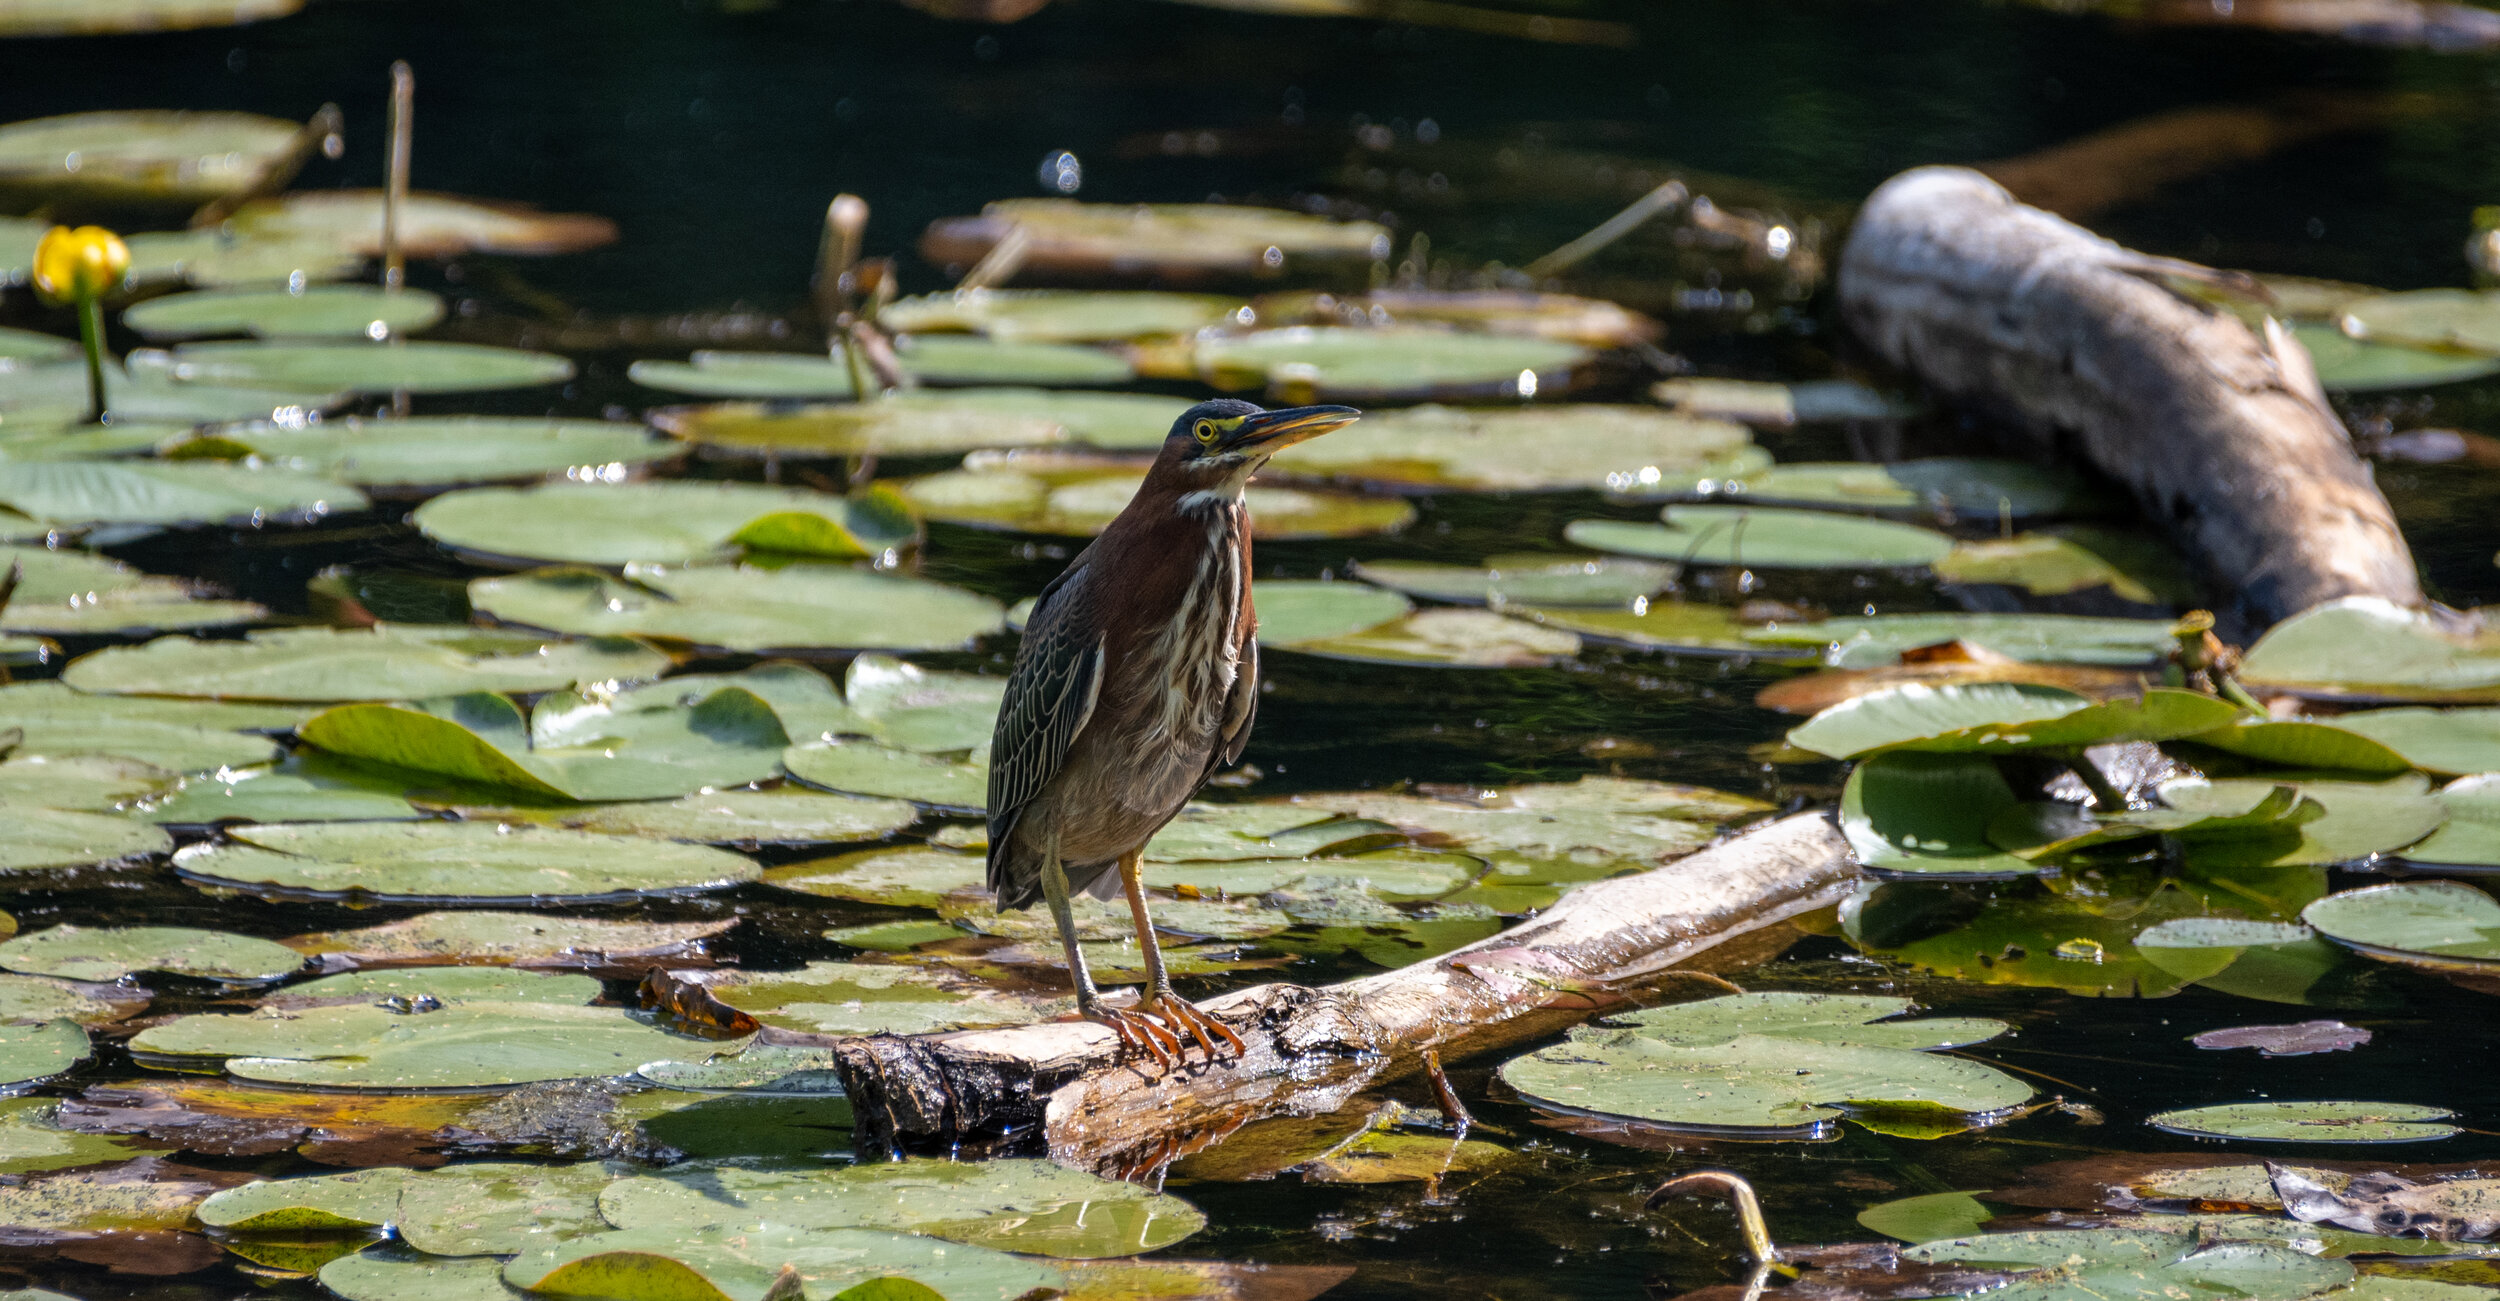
2462,319
1785,1063
433,451
1946,486
1908,813
1928,1216
2469,839
1386,874
385,662
387,1273
1329,363
517,939
743,608
2411,654
1166,241
2084,945
1291,611
88,493
1758,403
1619,449
464,861
34,838
2349,365
459,1045
1017,1204
34,1000
443,984
315,311
1868,641
262,795
955,359
661,522
174,735
39,1052
2442,925
925,423
2003,717
2310,1122
78,593
396,367
430,225
158,156
30,1142
2124,1265
1676,627
1770,537
217,258
904,876
780,376
2439,740
500,1208
2272,961
749,819
2357,820
107,953
1238,832
1063,315
1553,832
1540,580
1449,638
893,937
89,783
1078,499
358,1199
2057,562
745,1262
840,998
866,768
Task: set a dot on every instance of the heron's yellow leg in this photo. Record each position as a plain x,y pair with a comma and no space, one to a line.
1160,998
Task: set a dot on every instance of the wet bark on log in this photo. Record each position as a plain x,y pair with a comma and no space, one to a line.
1063,1087
2223,436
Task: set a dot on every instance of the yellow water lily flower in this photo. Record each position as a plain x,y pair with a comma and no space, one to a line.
73,265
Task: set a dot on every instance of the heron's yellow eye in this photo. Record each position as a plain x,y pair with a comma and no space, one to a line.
1206,431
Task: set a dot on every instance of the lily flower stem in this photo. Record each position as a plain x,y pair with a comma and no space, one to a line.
91,335
2229,688
2105,797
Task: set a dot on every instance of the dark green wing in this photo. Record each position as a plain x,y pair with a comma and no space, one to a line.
1049,696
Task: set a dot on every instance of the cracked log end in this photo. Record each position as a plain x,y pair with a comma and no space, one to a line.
1063,1086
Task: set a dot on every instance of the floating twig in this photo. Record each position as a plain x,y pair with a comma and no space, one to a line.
1661,199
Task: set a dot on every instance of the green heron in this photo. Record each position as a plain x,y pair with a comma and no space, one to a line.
1137,680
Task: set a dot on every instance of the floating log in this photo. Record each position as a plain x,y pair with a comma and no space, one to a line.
2081,178
1063,1087
2073,341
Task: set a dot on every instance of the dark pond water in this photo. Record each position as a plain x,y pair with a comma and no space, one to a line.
713,138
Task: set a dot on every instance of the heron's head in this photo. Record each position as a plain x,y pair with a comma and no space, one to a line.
1227,439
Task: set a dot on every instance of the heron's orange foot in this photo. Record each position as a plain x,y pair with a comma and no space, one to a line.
1180,1012
1139,1033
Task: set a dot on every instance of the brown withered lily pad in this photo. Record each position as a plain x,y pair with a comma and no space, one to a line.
2192,1181
573,1118
2296,1040
131,1217
2461,1210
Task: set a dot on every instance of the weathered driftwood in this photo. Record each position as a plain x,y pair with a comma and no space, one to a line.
1062,1086
2223,436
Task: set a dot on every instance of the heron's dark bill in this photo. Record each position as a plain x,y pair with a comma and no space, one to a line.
1274,431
